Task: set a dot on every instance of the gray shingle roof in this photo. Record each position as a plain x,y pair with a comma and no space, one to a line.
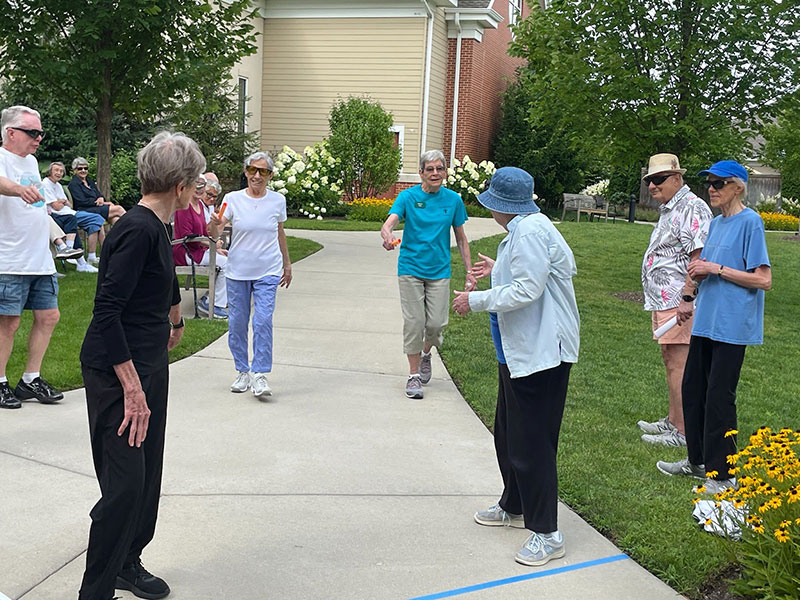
474,3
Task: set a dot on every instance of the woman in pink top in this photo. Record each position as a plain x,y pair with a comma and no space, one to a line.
192,221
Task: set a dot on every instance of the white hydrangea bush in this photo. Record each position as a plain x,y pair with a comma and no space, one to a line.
596,189
307,180
468,178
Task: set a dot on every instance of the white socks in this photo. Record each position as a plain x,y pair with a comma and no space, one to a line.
28,377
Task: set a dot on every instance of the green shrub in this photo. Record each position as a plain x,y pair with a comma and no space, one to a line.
476,210
126,190
362,143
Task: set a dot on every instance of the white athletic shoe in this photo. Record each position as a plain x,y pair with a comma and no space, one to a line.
260,386
242,383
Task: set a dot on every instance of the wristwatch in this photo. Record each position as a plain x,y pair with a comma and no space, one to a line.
178,325
719,273
687,298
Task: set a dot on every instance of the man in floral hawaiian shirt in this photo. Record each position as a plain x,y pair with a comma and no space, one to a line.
668,290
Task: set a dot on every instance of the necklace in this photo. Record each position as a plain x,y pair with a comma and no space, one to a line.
164,225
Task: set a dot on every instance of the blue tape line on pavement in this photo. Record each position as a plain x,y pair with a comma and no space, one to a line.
498,582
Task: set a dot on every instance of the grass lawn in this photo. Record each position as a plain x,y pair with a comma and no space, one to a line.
61,365
606,473
334,224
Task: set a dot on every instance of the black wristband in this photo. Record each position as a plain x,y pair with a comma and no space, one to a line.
687,298
178,325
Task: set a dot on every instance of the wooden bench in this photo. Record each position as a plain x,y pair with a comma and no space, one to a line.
210,271
588,205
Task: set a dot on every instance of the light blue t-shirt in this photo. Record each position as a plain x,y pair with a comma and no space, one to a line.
727,312
496,339
425,249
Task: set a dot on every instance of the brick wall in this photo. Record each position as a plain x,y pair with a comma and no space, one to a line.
486,69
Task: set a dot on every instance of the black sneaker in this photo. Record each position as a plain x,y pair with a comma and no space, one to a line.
7,397
38,389
135,578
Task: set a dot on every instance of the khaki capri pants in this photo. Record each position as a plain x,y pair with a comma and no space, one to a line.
425,304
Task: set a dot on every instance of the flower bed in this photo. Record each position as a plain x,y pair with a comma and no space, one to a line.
779,222
369,209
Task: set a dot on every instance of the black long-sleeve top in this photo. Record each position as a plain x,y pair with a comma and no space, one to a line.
136,286
82,196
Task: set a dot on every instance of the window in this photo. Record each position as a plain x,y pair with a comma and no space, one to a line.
514,12
242,116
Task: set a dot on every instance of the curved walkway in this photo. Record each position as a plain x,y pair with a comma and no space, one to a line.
339,487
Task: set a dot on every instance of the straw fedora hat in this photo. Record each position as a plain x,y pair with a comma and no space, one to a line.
664,163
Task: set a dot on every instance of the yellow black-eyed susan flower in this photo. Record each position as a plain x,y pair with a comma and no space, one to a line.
782,535
731,432
712,474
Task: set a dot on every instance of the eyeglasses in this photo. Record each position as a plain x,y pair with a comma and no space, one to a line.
33,133
435,169
657,179
212,196
81,168
200,185
251,170
717,184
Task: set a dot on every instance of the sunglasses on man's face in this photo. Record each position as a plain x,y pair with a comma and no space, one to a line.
33,133
657,179
251,170
717,184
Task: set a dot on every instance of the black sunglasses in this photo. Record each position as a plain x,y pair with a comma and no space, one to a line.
81,168
657,179
717,184
34,133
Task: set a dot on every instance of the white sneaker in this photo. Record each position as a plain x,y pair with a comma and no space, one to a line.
86,268
72,261
260,386
242,383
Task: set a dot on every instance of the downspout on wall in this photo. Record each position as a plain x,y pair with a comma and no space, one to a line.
456,85
426,91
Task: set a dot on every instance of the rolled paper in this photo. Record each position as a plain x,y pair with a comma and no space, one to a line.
396,242
666,327
222,210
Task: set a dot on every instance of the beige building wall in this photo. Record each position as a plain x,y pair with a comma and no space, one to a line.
438,83
310,63
251,68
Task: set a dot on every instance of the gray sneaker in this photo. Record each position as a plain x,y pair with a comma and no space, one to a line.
541,548
494,516
656,427
414,387
261,388
682,467
670,438
714,486
425,369
242,383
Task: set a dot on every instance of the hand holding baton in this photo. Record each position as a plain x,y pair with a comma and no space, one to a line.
222,210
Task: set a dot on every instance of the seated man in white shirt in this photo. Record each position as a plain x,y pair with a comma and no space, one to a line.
68,219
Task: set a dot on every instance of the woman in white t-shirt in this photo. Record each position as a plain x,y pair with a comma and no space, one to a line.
258,263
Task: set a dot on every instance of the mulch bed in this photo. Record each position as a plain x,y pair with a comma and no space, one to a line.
637,297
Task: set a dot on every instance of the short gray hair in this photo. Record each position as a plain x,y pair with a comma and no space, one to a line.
79,161
214,186
259,156
431,156
12,117
168,160
56,163
743,194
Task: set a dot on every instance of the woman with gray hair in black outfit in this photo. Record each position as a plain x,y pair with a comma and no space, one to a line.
126,370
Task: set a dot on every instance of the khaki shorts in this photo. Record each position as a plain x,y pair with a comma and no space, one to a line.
680,334
426,308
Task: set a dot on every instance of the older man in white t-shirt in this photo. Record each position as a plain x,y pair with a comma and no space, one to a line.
27,270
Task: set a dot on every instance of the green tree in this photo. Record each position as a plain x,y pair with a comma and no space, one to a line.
210,116
369,159
533,136
692,77
782,148
138,57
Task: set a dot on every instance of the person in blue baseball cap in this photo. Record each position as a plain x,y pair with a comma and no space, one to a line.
535,328
733,271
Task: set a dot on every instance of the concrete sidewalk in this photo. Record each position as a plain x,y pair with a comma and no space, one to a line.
338,487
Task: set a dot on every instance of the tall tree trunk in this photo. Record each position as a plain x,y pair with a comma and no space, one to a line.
103,124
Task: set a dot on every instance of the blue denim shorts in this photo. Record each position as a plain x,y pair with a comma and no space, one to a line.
27,292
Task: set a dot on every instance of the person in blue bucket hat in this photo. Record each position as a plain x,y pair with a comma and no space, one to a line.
535,328
733,272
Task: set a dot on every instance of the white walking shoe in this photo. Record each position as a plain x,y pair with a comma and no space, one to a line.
261,388
242,383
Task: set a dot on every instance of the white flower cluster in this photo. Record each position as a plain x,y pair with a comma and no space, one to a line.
596,189
468,178
788,206
300,176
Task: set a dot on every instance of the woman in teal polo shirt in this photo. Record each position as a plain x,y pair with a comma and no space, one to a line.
423,267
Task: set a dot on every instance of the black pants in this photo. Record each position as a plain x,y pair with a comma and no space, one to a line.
709,402
526,427
124,519
69,224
